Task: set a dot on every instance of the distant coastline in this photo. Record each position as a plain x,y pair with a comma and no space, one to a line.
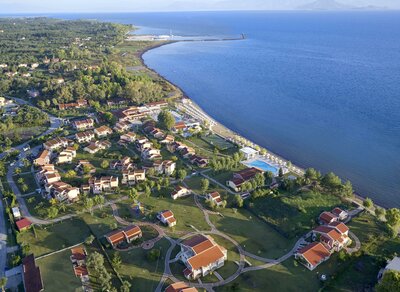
358,198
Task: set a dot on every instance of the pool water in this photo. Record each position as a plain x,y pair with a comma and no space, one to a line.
263,166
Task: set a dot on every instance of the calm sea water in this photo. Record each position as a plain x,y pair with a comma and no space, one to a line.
321,89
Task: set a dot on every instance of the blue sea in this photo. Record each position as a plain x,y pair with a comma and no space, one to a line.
321,89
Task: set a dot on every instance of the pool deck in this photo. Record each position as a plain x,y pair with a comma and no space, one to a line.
268,159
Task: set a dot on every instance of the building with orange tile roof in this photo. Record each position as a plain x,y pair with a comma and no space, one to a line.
201,255
313,255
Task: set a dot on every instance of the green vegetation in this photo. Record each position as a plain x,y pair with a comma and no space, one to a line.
166,120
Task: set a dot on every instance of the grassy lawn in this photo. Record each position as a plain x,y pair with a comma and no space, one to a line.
142,273
46,239
33,201
29,181
101,222
257,236
294,215
58,274
219,142
184,209
287,276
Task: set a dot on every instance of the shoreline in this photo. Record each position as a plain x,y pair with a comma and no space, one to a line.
358,198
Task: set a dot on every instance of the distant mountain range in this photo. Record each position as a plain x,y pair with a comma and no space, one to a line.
335,5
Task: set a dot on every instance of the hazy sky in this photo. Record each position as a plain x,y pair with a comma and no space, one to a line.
15,6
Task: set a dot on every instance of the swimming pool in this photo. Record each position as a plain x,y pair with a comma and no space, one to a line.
263,166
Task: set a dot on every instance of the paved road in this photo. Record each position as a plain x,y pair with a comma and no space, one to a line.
3,239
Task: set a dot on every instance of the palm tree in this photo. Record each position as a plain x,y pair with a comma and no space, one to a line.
3,283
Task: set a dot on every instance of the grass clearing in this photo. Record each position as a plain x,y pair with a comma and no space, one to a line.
45,239
294,215
58,274
252,233
29,181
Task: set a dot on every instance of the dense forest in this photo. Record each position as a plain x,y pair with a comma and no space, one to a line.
67,60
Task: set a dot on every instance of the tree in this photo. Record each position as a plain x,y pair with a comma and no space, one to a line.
99,200
238,201
311,175
331,181
204,184
125,287
280,172
268,176
389,282
133,194
3,283
181,174
70,174
166,120
95,261
116,260
393,217
347,189
88,205
52,212
147,191
154,254
368,203
259,180
89,240
86,169
380,212
105,164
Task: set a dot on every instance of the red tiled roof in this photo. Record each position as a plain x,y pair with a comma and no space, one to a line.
327,217
116,236
23,223
340,226
167,214
314,253
337,211
180,286
206,257
31,274
81,271
132,231
78,253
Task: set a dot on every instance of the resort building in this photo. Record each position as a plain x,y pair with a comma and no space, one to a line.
198,160
43,158
180,287
157,105
132,177
242,176
84,137
95,147
129,137
56,143
327,218
130,114
78,256
23,224
201,255
63,191
179,126
122,126
341,214
168,140
312,255
215,197
80,103
167,217
85,124
249,153
66,156
166,167
334,237
151,153
180,192
122,164
103,131
103,184
128,234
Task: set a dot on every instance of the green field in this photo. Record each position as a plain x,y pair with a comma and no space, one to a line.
58,274
49,238
217,141
142,273
294,215
252,233
29,181
184,209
